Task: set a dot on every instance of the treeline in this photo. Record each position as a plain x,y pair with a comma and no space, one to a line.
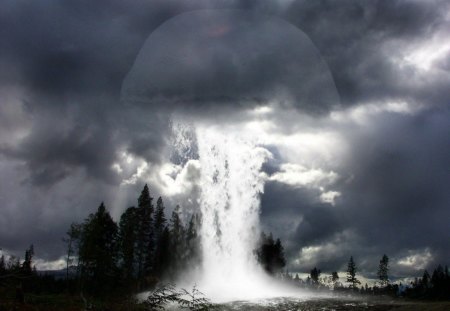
105,258
435,287
133,255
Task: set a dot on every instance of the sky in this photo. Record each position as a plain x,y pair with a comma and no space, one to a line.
351,98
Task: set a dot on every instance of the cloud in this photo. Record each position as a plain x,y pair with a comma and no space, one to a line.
299,176
229,60
416,260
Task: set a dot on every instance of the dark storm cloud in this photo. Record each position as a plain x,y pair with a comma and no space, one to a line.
354,38
396,201
318,221
301,220
399,192
73,56
65,61
230,59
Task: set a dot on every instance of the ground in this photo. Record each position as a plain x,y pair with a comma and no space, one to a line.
70,303
339,304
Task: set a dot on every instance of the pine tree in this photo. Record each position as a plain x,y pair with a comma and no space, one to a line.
334,277
160,218
270,254
2,265
98,251
177,244
144,238
192,241
72,240
279,260
383,270
315,274
425,279
127,242
351,273
161,240
164,256
27,267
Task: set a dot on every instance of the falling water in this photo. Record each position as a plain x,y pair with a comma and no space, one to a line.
231,184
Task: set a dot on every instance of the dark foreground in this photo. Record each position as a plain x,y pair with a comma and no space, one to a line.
52,303
338,304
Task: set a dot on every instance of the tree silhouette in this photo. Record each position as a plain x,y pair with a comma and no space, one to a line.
27,267
144,239
383,270
98,250
192,241
162,240
177,241
315,274
334,277
2,265
160,218
72,240
127,242
270,254
351,273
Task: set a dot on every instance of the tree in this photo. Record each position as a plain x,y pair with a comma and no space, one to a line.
27,267
270,254
160,219
144,238
72,240
2,265
127,242
279,260
164,254
315,274
351,273
98,251
192,241
177,243
383,270
162,240
334,277
425,279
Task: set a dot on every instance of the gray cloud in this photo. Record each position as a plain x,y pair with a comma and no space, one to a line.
395,201
229,58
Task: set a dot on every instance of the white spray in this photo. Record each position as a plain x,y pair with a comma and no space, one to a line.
231,184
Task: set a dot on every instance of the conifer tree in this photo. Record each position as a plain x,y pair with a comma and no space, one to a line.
144,238
162,240
160,218
27,267
270,254
72,240
165,256
2,265
98,250
315,274
425,279
383,270
279,260
192,240
351,273
177,245
334,277
127,242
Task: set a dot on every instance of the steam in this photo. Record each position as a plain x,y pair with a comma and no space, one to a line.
230,188
231,182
